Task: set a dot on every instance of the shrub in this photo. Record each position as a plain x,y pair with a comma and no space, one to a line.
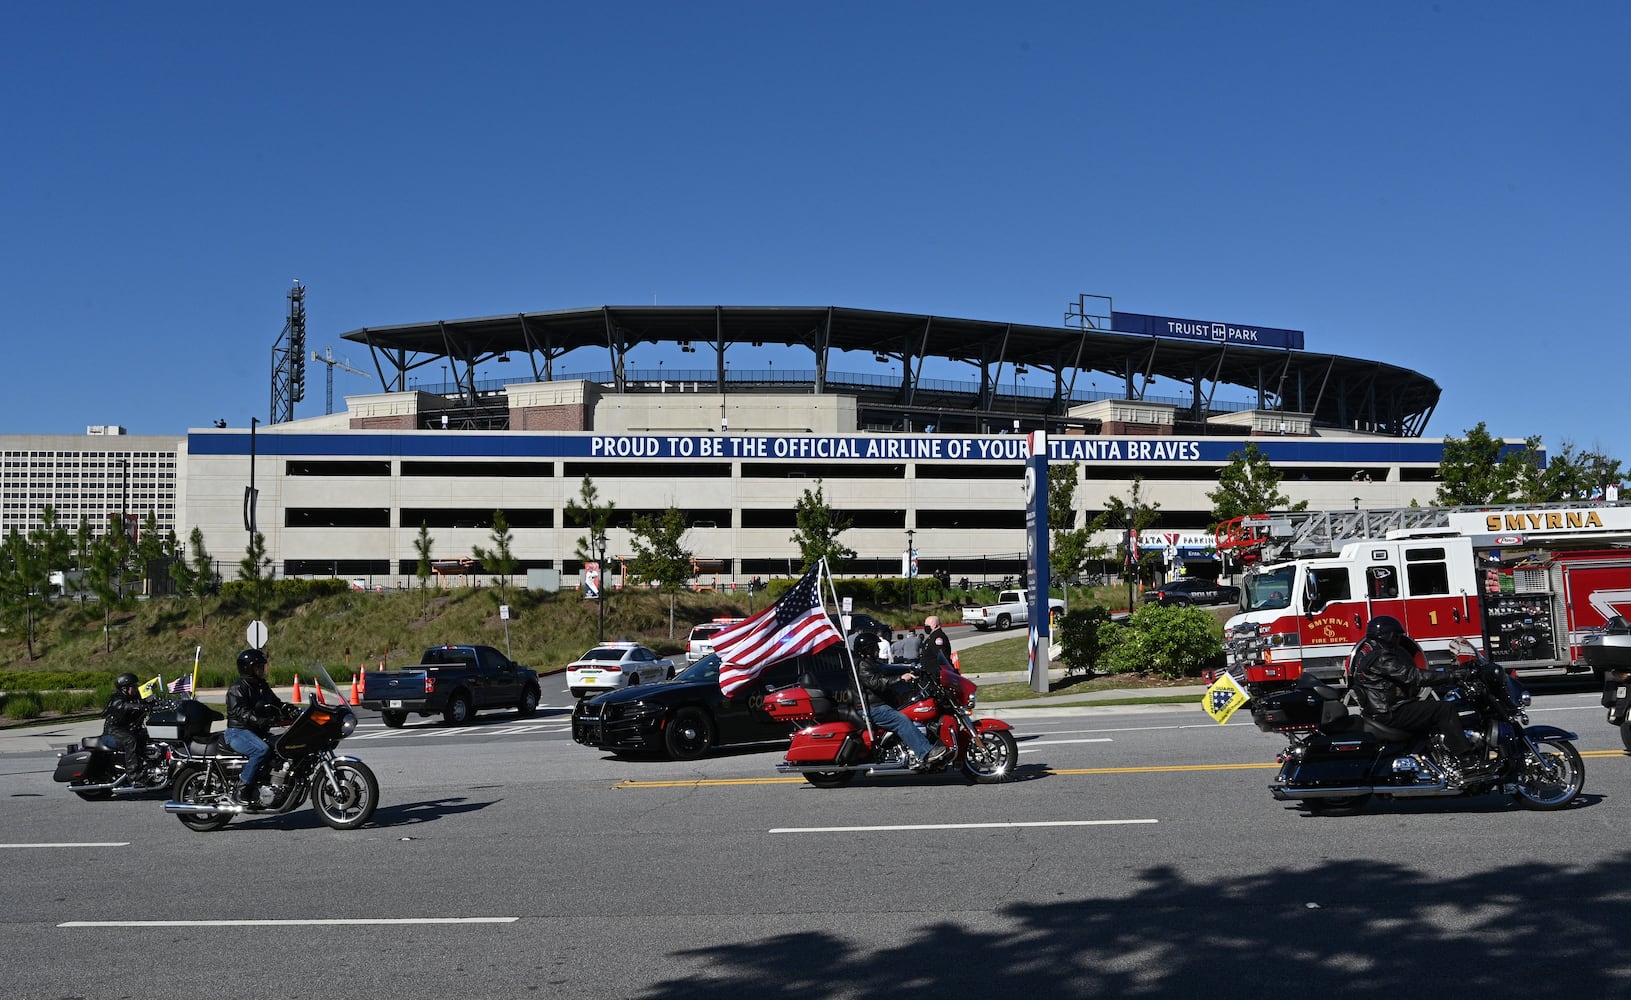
1171,642
22,705
1085,634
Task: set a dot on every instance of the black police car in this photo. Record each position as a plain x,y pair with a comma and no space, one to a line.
1192,590
686,717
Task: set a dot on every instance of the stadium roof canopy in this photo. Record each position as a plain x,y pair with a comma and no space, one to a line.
1337,391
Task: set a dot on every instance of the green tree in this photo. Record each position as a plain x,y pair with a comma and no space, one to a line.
593,515
182,576
1568,475
149,551
1249,484
206,581
25,579
105,576
660,555
84,543
500,559
1130,514
1473,472
818,530
56,547
255,569
422,546
1069,547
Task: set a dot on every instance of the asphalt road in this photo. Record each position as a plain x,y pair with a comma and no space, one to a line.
1137,852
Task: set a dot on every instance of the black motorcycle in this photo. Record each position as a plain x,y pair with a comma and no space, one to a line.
1337,760
302,764
1608,652
177,730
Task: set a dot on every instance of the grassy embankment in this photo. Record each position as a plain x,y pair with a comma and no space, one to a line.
75,661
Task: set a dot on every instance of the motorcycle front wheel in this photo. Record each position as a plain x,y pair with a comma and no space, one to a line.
197,785
1553,781
991,756
348,799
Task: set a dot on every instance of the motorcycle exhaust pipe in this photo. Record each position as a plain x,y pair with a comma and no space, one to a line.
197,809
829,768
1291,793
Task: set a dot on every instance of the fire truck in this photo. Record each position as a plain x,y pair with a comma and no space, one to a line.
1525,583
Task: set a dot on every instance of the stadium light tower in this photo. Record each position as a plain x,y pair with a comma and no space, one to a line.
289,359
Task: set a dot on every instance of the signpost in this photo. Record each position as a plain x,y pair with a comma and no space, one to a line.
1036,558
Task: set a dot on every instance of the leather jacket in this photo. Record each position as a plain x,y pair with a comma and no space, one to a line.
123,713
881,684
935,647
251,705
1384,678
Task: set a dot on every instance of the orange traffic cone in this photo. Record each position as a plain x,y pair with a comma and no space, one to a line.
362,681
356,690
295,695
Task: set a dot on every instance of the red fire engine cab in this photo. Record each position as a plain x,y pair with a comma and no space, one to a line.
1526,584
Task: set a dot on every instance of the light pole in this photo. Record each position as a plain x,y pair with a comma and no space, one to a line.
597,542
124,517
910,568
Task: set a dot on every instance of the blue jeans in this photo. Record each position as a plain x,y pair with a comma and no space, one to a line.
901,726
252,747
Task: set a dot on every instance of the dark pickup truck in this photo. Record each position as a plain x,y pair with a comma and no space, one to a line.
455,681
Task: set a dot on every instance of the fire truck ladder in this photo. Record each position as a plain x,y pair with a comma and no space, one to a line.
1282,535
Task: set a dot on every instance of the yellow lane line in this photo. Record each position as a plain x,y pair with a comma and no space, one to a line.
1153,769
700,782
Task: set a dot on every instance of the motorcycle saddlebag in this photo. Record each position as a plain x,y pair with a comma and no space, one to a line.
820,744
72,766
187,721
1292,710
794,704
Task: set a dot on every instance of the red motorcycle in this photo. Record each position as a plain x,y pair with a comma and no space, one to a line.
837,744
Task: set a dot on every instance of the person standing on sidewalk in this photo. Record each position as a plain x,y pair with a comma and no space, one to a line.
936,647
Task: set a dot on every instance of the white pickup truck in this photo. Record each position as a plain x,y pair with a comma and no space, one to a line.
1010,609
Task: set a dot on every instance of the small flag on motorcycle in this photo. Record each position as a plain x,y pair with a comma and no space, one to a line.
182,685
1223,698
150,689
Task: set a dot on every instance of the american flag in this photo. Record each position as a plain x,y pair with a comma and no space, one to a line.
182,685
794,625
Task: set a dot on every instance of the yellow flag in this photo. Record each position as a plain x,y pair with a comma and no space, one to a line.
1224,697
151,688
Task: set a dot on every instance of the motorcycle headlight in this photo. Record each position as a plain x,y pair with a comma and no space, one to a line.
348,725
973,699
1524,699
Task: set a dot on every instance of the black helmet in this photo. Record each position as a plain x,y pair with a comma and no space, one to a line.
1384,628
251,660
866,644
123,681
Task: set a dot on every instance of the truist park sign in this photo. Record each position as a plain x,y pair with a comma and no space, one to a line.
1196,329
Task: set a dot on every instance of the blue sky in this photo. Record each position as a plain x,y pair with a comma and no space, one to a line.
1441,186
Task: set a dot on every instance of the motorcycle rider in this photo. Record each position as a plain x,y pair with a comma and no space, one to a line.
252,710
1388,683
881,708
122,723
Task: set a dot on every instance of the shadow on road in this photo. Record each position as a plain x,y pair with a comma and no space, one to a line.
403,814
1315,928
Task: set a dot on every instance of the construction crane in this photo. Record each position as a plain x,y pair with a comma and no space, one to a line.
328,358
